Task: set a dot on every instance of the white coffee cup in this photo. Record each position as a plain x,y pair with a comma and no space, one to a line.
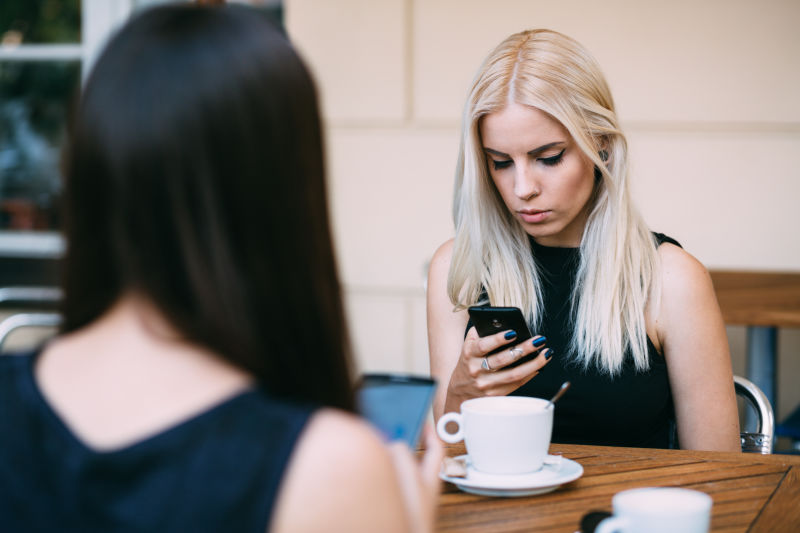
658,510
502,434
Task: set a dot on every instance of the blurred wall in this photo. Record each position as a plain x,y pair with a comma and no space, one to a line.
706,91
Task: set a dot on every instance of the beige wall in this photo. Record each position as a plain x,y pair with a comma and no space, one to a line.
707,92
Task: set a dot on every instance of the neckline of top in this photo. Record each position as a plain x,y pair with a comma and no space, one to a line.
160,435
555,249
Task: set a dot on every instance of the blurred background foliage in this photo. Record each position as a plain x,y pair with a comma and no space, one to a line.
41,21
34,100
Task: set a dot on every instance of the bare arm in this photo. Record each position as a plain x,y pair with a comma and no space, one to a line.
692,336
456,361
343,478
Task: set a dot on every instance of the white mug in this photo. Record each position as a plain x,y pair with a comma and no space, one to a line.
502,434
658,510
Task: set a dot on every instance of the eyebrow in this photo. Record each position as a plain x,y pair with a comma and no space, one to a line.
534,152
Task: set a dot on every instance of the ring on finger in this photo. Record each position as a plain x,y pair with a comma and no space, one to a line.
485,364
516,352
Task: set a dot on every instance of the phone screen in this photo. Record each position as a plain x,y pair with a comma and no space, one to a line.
396,404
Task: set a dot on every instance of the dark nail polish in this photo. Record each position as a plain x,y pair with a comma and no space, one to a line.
510,334
538,342
548,354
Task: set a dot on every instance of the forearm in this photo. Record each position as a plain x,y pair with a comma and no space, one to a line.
452,402
447,400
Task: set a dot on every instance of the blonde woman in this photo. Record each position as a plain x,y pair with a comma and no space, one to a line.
544,222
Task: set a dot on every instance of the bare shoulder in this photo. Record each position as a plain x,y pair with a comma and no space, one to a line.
683,277
686,291
438,273
442,255
343,470
678,265
688,304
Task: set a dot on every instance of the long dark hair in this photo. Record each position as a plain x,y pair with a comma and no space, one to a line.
194,176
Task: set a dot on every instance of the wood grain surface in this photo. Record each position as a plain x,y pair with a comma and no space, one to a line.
758,298
751,492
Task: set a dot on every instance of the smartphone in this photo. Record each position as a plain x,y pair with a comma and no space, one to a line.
397,404
491,320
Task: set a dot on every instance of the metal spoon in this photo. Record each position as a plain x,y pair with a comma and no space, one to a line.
559,394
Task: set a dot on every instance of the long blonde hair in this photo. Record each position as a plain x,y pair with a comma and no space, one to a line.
492,252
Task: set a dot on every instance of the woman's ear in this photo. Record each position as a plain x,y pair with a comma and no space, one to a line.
603,157
603,147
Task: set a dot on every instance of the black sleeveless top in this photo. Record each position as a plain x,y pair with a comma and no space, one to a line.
631,409
218,471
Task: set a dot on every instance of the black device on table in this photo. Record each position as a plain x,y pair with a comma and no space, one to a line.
396,404
491,320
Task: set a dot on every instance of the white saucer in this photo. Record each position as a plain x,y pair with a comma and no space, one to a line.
553,474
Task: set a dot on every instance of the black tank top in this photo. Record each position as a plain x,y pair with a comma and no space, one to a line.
218,471
630,409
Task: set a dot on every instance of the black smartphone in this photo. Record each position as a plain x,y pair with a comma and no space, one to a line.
491,320
396,404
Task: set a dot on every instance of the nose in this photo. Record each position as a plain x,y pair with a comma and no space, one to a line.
526,184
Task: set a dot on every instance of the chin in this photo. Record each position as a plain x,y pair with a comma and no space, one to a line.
553,237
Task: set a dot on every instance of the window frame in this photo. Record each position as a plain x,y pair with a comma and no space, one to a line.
99,18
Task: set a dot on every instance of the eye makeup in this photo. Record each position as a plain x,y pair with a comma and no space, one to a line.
553,160
547,161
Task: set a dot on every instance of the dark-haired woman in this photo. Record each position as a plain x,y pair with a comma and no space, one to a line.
201,380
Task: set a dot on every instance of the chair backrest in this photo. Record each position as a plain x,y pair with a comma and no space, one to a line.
29,295
26,320
762,440
31,307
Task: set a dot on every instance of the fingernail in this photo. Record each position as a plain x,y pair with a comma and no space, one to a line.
539,341
510,334
548,354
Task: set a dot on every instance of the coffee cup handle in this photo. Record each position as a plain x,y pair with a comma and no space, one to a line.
441,428
611,524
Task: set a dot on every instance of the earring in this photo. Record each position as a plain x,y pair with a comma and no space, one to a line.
603,155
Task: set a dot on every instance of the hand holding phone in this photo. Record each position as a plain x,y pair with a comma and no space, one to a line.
491,320
396,404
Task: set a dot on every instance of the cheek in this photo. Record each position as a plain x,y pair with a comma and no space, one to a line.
503,187
581,180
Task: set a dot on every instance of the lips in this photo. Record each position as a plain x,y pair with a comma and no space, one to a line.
533,216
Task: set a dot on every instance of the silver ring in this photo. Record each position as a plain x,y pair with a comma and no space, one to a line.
516,352
485,364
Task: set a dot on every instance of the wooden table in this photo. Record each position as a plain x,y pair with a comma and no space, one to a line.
751,492
764,302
